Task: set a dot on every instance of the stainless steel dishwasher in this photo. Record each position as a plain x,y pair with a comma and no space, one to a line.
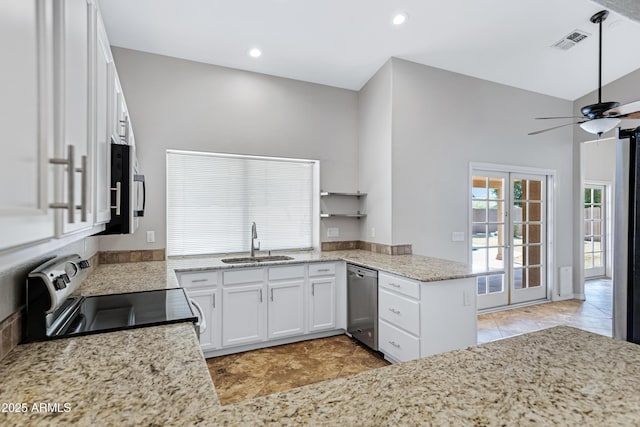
362,305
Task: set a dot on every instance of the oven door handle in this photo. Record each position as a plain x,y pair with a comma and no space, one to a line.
202,322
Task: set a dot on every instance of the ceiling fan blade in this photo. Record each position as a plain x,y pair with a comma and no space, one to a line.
552,118
556,127
623,110
631,116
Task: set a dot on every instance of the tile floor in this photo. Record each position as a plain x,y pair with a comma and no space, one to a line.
594,314
243,376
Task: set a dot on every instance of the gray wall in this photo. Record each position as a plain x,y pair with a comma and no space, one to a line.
179,104
442,121
599,160
596,160
374,153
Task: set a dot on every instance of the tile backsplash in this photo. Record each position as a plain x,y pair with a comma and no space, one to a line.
367,246
117,257
10,333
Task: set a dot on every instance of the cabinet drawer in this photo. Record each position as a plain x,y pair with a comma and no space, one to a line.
243,276
322,269
198,279
288,272
399,311
396,343
399,284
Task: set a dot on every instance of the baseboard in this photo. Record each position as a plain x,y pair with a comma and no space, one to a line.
581,297
563,297
271,343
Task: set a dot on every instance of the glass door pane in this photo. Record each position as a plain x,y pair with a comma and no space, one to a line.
489,245
594,230
528,225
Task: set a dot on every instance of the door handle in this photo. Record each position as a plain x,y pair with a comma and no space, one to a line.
271,294
118,191
84,185
70,163
260,295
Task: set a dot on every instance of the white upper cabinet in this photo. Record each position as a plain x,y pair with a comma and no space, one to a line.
73,22
104,75
25,118
58,112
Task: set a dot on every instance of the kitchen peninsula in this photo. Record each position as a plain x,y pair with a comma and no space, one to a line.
561,376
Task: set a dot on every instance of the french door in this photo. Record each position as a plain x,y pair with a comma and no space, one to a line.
508,237
595,239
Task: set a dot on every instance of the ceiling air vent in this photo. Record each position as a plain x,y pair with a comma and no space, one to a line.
571,39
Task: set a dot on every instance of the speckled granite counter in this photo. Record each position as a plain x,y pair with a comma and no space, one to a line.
148,376
559,376
151,376
142,276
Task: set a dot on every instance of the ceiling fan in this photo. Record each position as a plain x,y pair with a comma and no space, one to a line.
603,116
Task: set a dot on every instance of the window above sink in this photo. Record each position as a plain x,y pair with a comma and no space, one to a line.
212,199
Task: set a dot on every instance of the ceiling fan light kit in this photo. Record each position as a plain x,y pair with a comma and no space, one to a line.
601,117
600,126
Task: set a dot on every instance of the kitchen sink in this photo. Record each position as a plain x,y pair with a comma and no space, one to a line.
247,260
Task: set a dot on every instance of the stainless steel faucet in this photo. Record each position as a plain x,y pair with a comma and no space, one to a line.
254,236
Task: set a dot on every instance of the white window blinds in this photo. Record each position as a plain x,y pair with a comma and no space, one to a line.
213,199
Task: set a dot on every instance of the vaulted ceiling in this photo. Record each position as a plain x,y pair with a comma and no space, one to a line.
343,43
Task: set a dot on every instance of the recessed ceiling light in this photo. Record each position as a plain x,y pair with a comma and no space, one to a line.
399,18
255,53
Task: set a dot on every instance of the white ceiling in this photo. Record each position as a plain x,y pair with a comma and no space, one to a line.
344,42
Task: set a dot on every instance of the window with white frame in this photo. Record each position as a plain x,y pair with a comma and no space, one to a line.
212,199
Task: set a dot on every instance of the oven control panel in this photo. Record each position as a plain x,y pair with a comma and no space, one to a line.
61,276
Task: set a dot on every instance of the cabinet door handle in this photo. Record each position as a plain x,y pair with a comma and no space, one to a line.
260,295
118,191
271,294
323,269
70,205
214,300
394,285
313,289
199,280
83,206
393,343
394,311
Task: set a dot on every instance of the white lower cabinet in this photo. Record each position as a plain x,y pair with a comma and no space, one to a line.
248,307
286,314
398,317
322,303
419,319
396,343
448,316
243,314
205,303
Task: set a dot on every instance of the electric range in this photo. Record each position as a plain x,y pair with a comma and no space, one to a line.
55,308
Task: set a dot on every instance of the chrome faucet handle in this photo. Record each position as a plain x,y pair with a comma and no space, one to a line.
257,244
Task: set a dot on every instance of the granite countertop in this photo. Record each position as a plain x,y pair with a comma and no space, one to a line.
143,276
557,376
156,376
144,376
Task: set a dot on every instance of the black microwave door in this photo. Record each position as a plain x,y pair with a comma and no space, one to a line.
120,176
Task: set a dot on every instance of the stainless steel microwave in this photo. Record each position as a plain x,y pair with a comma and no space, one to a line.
128,191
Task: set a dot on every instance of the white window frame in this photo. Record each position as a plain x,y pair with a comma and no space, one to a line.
315,189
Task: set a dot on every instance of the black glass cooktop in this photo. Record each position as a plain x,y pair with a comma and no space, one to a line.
106,313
